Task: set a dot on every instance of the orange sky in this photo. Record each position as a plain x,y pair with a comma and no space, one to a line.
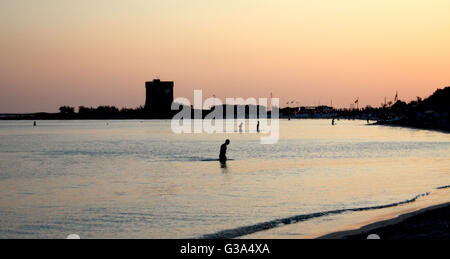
101,52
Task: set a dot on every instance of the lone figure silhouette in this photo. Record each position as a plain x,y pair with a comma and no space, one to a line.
223,152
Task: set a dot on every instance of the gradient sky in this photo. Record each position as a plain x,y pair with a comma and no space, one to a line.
101,52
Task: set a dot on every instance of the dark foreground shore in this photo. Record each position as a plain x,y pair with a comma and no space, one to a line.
428,223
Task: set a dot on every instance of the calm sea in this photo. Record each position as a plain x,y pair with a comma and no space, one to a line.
136,179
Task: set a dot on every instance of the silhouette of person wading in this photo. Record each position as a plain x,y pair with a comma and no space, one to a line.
223,152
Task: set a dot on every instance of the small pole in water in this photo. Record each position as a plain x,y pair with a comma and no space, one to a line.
34,124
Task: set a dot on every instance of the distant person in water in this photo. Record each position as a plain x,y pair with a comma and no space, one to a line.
257,127
34,124
332,122
240,127
223,152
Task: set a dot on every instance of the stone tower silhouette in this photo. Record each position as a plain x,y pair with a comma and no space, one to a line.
159,98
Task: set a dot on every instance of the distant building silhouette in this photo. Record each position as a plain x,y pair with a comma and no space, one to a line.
159,98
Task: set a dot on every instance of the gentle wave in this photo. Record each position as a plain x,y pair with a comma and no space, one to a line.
246,230
213,159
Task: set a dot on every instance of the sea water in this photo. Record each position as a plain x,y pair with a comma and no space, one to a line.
137,179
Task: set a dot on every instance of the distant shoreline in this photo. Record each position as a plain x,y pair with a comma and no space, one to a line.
410,127
54,118
140,118
428,223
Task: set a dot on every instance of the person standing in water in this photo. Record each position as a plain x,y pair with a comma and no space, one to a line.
257,127
34,124
223,152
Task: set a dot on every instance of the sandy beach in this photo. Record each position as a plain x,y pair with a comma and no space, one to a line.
426,218
428,223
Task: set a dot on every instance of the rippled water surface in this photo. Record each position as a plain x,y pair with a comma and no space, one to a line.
136,179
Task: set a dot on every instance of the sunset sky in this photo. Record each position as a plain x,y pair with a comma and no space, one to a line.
101,52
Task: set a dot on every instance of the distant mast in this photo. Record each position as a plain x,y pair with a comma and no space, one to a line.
270,107
357,103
